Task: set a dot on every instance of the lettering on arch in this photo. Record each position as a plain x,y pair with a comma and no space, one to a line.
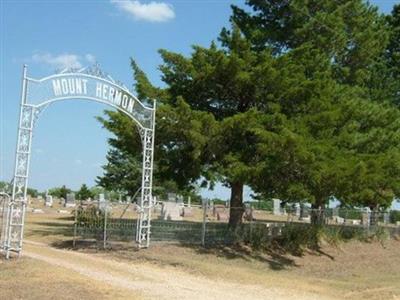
86,86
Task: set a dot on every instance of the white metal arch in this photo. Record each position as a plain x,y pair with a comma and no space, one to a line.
86,84
48,102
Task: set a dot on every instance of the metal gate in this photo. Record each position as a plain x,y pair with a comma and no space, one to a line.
88,84
4,217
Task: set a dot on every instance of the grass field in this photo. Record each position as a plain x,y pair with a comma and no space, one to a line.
48,269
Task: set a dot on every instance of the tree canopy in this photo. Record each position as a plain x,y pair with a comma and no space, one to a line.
296,100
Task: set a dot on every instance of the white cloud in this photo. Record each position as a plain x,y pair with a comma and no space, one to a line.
153,11
59,61
90,58
63,61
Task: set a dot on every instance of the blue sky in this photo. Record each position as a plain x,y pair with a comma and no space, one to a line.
69,145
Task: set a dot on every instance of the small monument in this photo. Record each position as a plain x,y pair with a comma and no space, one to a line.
171,211
171,197
277,207
49,201
365,218
102,202
386,218
335,212
70,201
297,209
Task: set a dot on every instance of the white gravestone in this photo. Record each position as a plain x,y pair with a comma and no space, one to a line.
297,209
49,201
171,211
102,202
277,207
386,218
171,197
70,201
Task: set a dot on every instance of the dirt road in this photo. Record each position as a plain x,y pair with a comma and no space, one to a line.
153,282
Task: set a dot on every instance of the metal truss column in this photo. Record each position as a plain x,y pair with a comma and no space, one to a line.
143,228
16,211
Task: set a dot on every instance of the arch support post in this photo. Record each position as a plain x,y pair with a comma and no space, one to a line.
143,228
15,216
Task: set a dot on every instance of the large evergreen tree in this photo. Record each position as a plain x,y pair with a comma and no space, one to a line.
285,104
335,49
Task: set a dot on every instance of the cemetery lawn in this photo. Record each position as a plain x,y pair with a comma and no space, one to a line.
50,270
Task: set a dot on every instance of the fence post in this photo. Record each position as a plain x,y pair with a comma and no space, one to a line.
251,224
105,227
75,226
203,232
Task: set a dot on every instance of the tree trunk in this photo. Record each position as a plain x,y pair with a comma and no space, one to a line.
317,213
236,204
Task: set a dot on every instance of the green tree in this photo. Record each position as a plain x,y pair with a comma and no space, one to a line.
84,193
228,82
32,192
280,106
60,192
393,54
350,32
331,53
122,173
180,145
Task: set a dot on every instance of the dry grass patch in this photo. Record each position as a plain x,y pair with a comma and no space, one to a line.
32,279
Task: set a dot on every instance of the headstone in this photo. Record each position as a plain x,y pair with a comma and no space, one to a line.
70,201
179,199
102,202
352,222
277,207
297,210
171,211
335,212
386,218
157,208
62,211
37,211
171,197
338,220
189,201
49,201
365,218
248,214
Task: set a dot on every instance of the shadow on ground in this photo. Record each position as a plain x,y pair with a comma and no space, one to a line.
273,254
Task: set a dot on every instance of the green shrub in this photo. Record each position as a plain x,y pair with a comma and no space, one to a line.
90,216
296,238
395,216
350,213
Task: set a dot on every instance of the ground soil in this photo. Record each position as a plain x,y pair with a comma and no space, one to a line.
50,269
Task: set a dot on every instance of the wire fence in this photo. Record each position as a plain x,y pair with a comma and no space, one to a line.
4,205
115,224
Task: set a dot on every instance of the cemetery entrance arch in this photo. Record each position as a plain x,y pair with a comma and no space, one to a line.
91,84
